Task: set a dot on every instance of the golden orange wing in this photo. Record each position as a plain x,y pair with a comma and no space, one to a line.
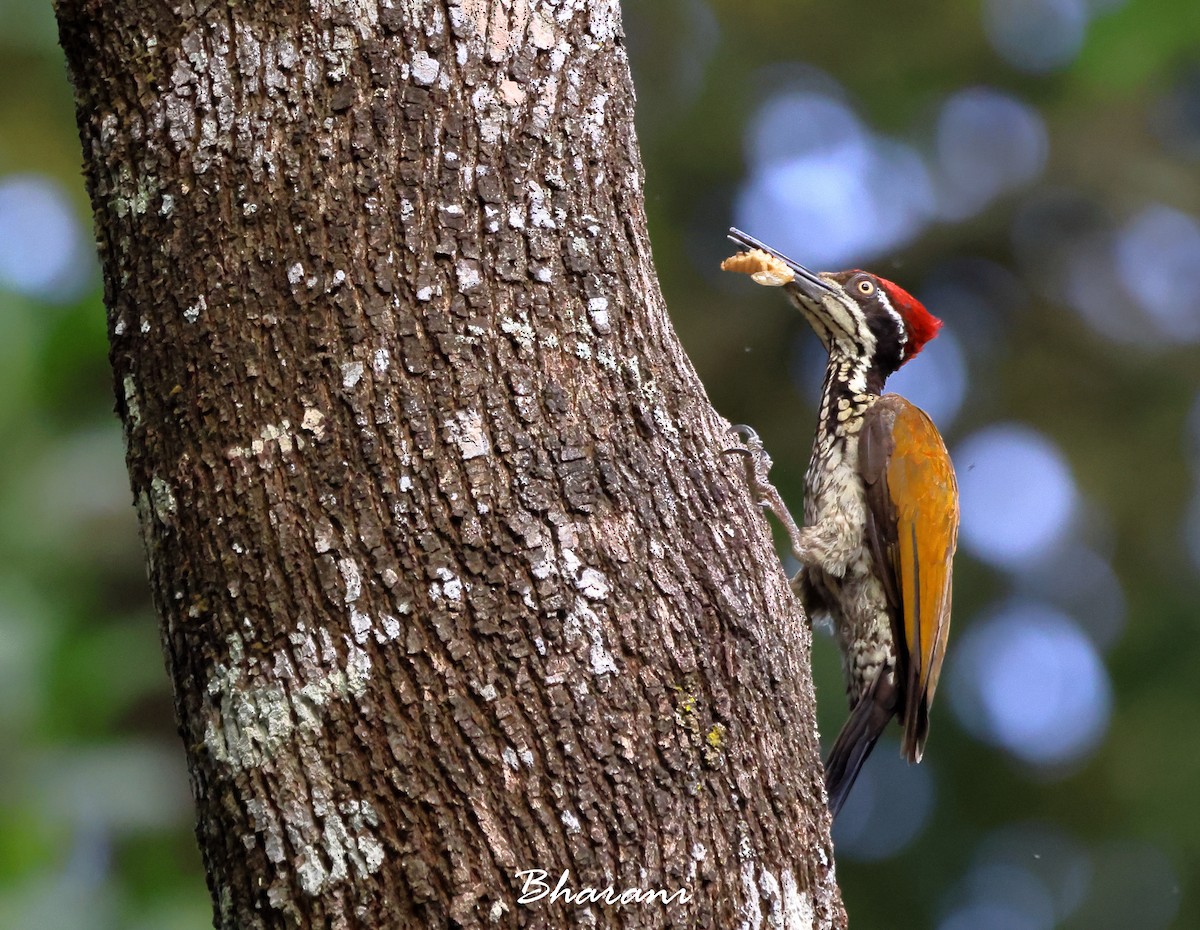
912,498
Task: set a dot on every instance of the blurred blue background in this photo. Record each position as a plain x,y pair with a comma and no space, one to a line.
1029,168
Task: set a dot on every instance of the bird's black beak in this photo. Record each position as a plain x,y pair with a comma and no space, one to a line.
807,281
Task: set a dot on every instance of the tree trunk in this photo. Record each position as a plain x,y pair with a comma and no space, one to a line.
455,578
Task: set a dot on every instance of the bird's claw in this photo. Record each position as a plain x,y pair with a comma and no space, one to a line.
759,462
758,468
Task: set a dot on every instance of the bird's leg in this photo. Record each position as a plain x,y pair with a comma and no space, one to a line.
758,467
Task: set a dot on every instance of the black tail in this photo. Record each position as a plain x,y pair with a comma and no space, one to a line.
869,718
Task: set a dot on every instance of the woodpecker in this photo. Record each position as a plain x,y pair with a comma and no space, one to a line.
880,506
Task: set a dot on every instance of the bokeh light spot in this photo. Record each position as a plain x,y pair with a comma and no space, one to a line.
1096,292
826,189
1036,36
42,250
801,124
1139,283
1016,491
987,143
1027,679
1158,260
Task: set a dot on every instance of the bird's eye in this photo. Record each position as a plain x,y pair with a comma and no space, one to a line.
866,287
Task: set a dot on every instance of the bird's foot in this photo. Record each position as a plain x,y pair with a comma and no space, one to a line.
758,468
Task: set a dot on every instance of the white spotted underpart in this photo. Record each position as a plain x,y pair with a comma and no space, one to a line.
835,517
835,556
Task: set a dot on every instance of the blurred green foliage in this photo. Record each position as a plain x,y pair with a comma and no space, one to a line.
95,821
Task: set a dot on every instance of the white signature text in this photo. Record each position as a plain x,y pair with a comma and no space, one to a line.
535,888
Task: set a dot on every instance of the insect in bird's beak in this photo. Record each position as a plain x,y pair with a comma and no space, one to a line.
809,282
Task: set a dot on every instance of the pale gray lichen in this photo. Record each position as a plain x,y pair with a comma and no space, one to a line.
593,584
466,431
358,670
521,331
798,910
424,69
351,578
313,421
599,657
360,625
132,407
256,706
391,629
448,586
750,910
468,274
162,498
352,373
271,435
192,313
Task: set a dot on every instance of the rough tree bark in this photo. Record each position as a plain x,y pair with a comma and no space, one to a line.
454,577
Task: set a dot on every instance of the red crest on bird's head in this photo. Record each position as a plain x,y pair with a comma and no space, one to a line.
921,324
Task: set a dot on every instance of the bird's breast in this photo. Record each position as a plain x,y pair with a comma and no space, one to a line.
833,488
